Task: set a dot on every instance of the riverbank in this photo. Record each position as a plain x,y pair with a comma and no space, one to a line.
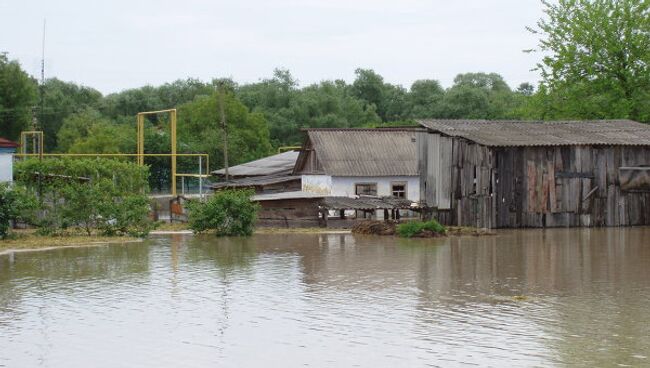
29,241
182,228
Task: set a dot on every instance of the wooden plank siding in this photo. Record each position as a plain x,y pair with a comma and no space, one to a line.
539,186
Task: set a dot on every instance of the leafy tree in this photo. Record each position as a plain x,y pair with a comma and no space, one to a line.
465,102
597,62
479,96
526,89
16,204
149,98
227,213
62,99
199,128
490,82
94,194
425,98
17,98
89,132
369,86
273,97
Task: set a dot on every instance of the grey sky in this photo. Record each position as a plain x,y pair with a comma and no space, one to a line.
117,44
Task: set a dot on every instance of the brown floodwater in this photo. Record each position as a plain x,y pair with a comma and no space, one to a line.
565,297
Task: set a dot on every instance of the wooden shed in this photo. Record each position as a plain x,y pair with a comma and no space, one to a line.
510,174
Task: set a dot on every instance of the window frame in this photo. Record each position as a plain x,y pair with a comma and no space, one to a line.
402,183
367,184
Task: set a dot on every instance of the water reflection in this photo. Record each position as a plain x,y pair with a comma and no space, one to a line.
522,298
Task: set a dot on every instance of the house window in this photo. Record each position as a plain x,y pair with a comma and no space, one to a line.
398,190
369,189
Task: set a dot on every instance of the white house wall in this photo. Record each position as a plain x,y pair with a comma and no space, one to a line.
6,167
321,184
345,185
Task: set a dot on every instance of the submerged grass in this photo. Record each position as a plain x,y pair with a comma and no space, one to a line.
30,239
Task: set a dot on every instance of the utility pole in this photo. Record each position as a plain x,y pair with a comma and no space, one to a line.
224,127
38,113
41,90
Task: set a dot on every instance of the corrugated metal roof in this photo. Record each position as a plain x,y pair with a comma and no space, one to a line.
281,163
365,152
503,133
285,195
255,181
365,203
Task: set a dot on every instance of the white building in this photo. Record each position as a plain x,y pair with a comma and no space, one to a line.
352,162
7,150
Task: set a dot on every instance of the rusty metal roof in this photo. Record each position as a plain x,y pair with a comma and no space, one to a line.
365,152
286,195
504,133
282,163
5,143
365,203
255,181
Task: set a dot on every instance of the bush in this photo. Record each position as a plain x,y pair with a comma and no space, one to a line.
413,228
93,194
16,204
228,213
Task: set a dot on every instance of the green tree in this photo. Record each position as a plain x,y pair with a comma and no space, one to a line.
17,98
425,98
200,130
60,100
16,204
227,213
148,98
480,96
88,131
597,58
93,194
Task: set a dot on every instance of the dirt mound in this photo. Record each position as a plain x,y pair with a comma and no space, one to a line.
374,228
428,234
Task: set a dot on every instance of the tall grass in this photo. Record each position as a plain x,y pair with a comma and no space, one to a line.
412,228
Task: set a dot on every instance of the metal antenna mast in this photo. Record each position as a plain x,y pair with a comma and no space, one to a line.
225,129
38,112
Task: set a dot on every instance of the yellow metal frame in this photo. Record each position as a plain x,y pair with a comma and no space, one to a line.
34,133
140,143
140,155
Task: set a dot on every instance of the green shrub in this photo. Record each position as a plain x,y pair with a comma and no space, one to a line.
412,228
228,213
92,194
16,204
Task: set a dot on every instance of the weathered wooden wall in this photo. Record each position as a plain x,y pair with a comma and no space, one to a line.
569,186
510,187
308,162
289,213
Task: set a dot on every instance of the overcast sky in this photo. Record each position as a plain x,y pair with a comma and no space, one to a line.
118,44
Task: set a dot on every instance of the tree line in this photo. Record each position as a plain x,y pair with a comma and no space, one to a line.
595,57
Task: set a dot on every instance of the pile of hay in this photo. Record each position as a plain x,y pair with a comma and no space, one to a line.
373,227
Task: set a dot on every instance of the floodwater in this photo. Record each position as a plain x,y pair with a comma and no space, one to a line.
565,297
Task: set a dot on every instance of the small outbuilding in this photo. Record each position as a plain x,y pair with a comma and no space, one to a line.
262,184
280,164
511,174
360,162
7,150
